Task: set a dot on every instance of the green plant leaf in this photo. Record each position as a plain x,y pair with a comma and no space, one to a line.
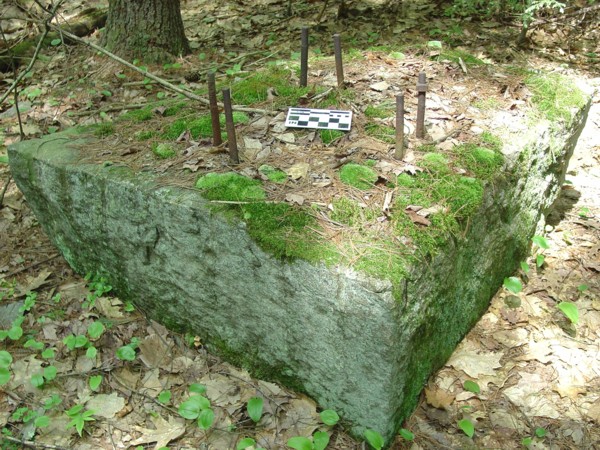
55,42
406,435
570,311
95,329
42,421
48,353
206,418
53,401
4,376
329,417
541,242
513,284
582,287
78,423
539,260
191,408
74,410
15,333
471,386
467,427
320,440
525,267
80,341
91,352
245,443
37,380
95,381
540,432
374,439
255,408
126,353
5,359
527,441
197,388
164,397
299,443
50,373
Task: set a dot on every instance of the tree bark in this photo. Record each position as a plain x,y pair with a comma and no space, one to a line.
151,30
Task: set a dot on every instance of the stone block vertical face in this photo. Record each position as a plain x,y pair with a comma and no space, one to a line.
331,332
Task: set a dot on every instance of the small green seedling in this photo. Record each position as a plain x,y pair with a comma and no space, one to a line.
247,443
513,284
467,427
79,417
406,434
255,408
164,397
329,417
570,311
5,362
320,440
374,439
95,382
471,386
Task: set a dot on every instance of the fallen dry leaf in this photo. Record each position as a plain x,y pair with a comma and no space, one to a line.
438,398
106,405
165,432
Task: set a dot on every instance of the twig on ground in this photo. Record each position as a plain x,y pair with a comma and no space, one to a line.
147,74
32,444
452,133
31,266
47,26
4,189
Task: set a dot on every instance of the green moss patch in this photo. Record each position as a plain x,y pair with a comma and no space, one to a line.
455,55
329,136
255,88
555,95
163,151
381,132
230,187
435,162
378,112
273,174
483,162
284,231
349,212
103,129
200,127
361,177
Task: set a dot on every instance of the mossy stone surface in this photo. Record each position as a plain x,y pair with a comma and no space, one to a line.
361,337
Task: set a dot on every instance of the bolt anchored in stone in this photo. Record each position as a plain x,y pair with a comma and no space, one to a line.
304,57
214,110
399,153
421,90
339,67
231,140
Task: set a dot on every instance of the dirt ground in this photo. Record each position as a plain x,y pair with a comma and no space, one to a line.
537,374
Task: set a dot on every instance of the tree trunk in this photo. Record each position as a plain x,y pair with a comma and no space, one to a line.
151,30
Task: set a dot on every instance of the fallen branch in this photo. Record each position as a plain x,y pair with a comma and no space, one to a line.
159,80
452,133
32,444
35,53
4,190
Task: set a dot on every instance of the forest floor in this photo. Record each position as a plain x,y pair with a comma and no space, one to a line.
537,374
